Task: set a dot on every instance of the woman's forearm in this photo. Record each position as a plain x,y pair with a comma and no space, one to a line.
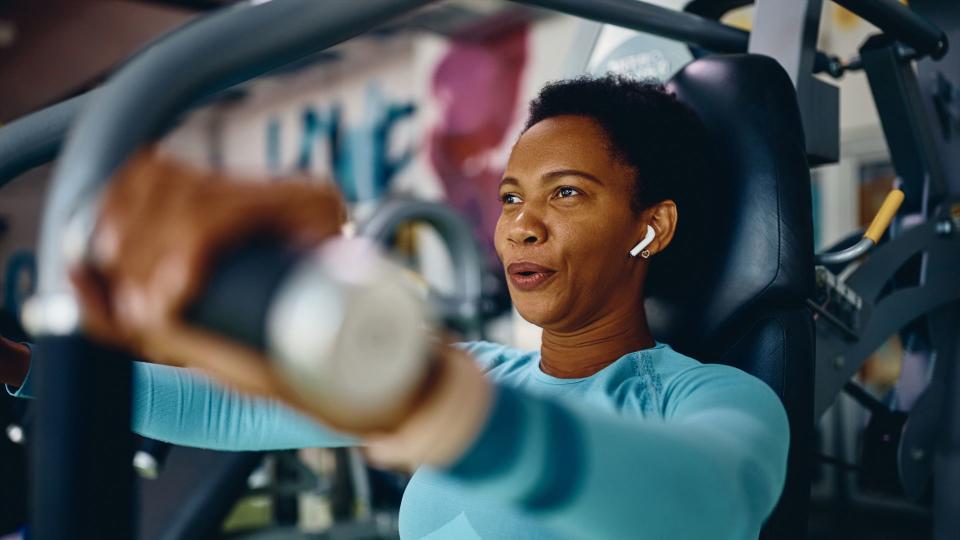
180,406
14,362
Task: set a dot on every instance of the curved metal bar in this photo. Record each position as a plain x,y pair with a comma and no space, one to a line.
231,46
658,20
36,138
901,23
846,255
456,234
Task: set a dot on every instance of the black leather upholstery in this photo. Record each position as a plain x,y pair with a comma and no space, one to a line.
739,298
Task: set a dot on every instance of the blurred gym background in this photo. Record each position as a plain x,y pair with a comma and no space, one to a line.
427,107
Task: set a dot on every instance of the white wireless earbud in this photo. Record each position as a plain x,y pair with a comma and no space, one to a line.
641,247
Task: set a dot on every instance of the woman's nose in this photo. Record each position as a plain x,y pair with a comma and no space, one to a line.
527,228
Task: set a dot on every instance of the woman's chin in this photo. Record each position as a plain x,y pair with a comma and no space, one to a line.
536,313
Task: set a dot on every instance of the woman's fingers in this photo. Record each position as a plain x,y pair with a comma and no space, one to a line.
14,362
162,226
453,409
97,314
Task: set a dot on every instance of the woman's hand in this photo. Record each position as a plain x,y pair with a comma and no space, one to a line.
14,362
161,226
452,409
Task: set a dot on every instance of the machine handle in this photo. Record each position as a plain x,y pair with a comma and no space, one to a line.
340,324
886,213
237,297
872,235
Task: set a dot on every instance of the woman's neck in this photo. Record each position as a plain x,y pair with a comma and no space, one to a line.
587,350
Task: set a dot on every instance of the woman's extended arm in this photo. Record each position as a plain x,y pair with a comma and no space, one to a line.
181,406
713,469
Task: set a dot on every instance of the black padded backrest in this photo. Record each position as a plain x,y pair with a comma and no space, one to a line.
739,296
755,247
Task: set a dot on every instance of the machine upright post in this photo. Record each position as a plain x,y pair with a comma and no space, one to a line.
787,30
908,131
81,475
940,85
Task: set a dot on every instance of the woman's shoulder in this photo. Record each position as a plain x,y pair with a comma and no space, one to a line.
691,381
676,365
496,356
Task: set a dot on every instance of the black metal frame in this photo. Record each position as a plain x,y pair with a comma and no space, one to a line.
661,21
840,355
930,440
902,24
906,128
924,295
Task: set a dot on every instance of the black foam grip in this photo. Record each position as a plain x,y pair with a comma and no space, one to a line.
237,297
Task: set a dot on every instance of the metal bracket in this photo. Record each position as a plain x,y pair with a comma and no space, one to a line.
903,117
836,303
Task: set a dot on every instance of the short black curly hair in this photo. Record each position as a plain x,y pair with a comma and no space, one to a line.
647,128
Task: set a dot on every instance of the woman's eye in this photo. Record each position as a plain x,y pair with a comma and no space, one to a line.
510,198
566,191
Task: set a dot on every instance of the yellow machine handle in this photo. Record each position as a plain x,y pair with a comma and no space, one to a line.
882,220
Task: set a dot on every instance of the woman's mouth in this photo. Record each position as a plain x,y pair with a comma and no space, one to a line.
527,276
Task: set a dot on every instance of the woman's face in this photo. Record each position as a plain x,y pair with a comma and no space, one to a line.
566,226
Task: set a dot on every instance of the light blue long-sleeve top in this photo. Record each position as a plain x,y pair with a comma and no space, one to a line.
654,446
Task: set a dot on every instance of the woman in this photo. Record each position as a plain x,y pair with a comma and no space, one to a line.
602,433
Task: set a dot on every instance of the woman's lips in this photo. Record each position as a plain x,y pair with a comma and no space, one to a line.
527,276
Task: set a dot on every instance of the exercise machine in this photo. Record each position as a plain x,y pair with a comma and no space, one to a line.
789,296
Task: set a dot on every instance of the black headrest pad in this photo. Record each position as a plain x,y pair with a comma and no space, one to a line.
754,228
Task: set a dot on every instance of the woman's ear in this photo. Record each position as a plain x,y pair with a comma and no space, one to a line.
663,218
